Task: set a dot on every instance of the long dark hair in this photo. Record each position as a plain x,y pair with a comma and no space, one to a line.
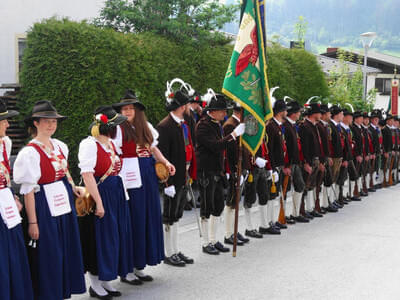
140,133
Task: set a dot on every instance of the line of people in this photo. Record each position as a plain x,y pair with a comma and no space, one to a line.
345,155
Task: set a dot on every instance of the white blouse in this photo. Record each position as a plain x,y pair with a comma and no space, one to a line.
118,137
87,154
8,143
27,170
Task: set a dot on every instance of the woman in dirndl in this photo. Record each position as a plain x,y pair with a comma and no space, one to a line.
15,279
105,233
136,140
41,169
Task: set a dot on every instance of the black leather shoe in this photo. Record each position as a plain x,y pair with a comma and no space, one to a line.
290,221
363,194
146,278
113,293
316,214
93,294
186,259
242,238
132,282
210,249
269,230
378,186
174,260
221,248
331,208
230,241
280,226
371,190
301,219
338,204
355,199
188,206
253,233
308,215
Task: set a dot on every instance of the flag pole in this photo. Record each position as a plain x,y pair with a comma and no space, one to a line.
238,189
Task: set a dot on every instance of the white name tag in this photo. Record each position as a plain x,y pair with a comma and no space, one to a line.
8,209
57,198
130,173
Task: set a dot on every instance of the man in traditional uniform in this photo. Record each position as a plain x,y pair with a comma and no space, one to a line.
388,148
296,161
313,153
232,156
369,150
325,133
277,150
210,154
176,145
377,141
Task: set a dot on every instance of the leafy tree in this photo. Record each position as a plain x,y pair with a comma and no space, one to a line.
194,20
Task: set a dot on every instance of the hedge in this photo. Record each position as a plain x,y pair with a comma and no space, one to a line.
79,66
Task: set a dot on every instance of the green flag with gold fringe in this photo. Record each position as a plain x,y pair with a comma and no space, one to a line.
246,79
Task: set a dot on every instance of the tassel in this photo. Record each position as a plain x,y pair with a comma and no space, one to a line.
273,187
95,131
250,178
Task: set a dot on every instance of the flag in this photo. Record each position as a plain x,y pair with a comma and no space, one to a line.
394,98
246,78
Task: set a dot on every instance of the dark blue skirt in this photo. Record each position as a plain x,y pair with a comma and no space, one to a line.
15,277
106,242
147,230
58,268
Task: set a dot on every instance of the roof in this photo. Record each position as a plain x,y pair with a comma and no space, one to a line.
329,64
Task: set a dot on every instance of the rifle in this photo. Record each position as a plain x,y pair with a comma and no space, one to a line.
371,173
282,218
385,183
356,191
364,181
390,183
189,186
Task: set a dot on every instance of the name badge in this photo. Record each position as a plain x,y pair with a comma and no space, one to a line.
8,209
57,198
130,173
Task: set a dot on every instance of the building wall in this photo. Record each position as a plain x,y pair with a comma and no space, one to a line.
17,16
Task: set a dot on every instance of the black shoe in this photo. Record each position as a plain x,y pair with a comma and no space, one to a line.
253,233
188,206
308,215
323,210
290,221
338,204
378,186
301,219
210,249
146,278
363,194
269,230
132,282
280,226
230,241
93,294
355,199
221,248
186,259
242,238
331,208
371,190
113,293
174,260
316,214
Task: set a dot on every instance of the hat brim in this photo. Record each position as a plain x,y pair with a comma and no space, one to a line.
29,120
138,104
218,108
9,114
118,120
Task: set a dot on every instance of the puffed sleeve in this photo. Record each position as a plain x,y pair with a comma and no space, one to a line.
8,143
87,155
118,140
155,134
27,170
63,147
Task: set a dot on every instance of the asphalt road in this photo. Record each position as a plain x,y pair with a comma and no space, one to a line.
353,254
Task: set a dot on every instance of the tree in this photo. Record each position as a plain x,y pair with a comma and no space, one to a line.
300,30
193,20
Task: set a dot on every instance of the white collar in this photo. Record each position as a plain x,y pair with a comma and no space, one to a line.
176,119
323,122
373,126
291,121
279,123
334,122
236,118
344,125
310,121
359,126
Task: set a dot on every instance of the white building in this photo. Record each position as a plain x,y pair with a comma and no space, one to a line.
17,16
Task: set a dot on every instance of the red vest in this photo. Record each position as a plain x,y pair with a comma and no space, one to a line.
103,162
6,164
128,148
48,173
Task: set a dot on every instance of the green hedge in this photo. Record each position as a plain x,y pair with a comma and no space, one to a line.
79,66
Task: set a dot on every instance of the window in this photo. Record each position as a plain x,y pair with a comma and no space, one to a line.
384,85
20,46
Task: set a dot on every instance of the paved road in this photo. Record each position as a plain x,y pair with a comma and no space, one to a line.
353,254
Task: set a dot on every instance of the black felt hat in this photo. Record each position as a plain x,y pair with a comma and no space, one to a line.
196,98
279,106
43,109
6,113
313,108
293,107
113,118
176,100
219,102
129,98
376,113
357,114
389,117
346,112
324,108
335,110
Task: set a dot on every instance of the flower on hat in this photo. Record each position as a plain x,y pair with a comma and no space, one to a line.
102,118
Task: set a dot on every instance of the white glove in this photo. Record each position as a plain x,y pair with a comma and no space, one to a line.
228,176
241,179
275,176
170,191
239,130
269,174
261,162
